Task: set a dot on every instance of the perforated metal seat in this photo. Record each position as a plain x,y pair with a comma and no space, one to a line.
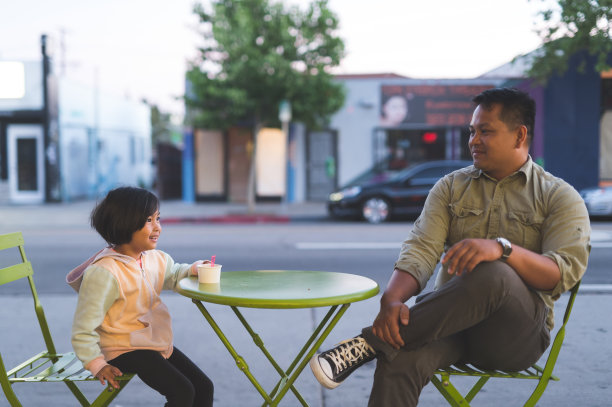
543,375
48,365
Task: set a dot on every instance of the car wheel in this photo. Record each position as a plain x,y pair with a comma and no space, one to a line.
376,210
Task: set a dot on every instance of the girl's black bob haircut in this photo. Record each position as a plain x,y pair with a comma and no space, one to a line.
124,211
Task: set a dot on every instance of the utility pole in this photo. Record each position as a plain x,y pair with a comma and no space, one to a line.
50,125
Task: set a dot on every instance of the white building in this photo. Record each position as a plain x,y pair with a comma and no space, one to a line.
428,121
105,141
79,144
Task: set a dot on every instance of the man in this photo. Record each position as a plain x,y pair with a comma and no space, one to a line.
514,238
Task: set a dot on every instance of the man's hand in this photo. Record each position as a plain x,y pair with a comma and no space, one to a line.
464,256
386,325
109,372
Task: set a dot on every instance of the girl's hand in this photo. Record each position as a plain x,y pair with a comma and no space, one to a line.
109,372
194,266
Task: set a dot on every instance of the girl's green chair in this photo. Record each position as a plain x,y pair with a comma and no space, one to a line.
48,365
441,378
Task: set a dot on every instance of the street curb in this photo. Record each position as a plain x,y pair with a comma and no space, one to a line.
245,218
228,219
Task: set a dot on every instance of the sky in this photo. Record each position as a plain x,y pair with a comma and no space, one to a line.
141,48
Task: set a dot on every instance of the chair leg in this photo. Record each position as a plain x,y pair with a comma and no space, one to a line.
537,393
472,393
11,396
450,393
105,398
78,394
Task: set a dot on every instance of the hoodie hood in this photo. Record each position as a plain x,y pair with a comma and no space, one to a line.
75,276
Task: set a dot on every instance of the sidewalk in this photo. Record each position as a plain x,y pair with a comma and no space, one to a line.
583,364
20,217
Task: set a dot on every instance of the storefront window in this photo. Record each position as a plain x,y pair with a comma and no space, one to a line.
403,148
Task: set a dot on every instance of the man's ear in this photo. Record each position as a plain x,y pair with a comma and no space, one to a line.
521,136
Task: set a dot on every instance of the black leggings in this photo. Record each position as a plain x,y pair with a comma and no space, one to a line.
177,378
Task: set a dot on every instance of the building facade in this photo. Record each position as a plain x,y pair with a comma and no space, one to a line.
389,122
60,140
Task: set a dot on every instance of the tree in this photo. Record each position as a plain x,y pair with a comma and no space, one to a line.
161,127
576,25
257,53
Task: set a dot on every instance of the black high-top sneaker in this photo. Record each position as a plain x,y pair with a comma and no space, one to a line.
333,366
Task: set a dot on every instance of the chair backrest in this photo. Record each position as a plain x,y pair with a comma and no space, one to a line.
560,336
23,269
570,302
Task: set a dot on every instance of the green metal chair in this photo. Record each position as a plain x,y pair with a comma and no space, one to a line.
48,365
441,378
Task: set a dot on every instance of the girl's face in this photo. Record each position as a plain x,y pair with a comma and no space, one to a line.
143,239
148,235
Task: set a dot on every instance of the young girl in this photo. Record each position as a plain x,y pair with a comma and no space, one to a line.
120,324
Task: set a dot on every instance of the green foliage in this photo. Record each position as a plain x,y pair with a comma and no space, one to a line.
160,125
257,53
577,25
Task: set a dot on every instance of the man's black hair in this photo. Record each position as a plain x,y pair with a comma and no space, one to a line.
517,107
124,211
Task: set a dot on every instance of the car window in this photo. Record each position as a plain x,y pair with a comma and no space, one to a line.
434,172
429,176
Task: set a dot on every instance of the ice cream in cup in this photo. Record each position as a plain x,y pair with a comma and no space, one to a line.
209,273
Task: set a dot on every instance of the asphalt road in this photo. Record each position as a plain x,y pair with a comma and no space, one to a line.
352,247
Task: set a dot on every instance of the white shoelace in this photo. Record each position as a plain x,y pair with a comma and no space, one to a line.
345,356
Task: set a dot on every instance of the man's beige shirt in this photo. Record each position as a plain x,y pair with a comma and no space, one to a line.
531,208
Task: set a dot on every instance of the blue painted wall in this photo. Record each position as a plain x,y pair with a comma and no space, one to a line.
188,167
536,91
572,110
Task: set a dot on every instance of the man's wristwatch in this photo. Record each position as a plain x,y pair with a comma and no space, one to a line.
506,247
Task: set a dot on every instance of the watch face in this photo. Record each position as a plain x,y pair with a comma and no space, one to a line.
506,247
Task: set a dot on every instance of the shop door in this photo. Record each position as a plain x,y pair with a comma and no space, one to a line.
240,150
25,163
321,157
209,164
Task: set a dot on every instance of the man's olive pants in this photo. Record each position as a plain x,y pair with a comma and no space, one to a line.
488,318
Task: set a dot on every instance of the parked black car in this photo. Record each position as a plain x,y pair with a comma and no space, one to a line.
598,200
402,194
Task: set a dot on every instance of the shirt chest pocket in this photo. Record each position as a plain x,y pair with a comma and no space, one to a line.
524,229
466,222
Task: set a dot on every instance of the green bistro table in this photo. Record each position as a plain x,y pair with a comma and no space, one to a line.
280,289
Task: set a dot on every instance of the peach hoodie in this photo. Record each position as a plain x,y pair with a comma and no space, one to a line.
119,307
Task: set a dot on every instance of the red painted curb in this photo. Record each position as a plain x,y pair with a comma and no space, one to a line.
228,219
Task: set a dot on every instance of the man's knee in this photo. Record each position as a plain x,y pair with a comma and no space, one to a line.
494,267
492,275
493,280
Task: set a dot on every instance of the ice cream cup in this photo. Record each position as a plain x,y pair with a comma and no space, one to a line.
209,274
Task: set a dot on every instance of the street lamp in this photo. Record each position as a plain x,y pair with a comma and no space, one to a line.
284,112
284,115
